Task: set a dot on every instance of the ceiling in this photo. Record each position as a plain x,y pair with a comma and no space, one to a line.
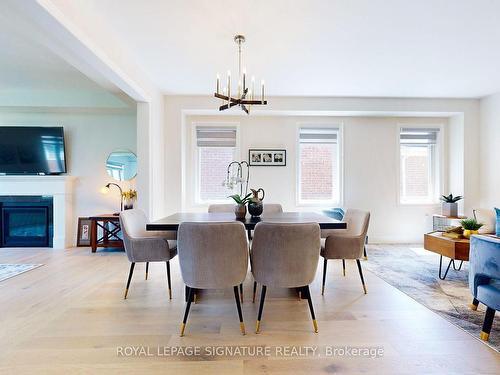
382,48
32,75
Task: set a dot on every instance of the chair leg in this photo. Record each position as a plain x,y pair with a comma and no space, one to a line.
261,307
324,276
343,266
132,265
473,306
309,301
241,292
169,281
147,269
488,322
254,291
238,306
361,274
364,254
186,313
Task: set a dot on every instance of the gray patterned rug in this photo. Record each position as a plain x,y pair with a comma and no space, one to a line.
10,270
414,271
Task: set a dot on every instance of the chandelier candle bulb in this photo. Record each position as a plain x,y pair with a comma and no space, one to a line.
262,83
228,88
218,82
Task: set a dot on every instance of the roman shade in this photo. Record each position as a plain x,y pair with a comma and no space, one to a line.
418,136
318,135
212,136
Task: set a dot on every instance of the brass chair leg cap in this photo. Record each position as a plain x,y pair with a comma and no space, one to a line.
365,258
315,324
257,327
473,307
126,293
183,327
170,293
146,275
242,328
484,336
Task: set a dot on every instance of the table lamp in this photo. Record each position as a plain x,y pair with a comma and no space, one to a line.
105,190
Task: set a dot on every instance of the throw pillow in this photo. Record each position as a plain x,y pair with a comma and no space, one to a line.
486,217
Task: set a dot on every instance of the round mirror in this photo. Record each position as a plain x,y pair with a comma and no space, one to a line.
122,165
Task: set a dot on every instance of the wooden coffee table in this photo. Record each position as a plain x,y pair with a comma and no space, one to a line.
110,226
455,249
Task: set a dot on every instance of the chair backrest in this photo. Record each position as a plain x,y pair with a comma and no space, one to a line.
225,207
484,261
212,255
272,208
357,222
285,255
133,223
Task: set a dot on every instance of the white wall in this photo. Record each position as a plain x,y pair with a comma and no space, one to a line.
390,222
490,151
90,137
371,167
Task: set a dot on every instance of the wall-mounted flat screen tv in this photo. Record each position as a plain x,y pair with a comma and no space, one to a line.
32,150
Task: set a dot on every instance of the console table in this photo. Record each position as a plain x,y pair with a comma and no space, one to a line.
455,249
110,225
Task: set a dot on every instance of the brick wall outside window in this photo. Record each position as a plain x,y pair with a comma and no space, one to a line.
318,166
213,162
415,172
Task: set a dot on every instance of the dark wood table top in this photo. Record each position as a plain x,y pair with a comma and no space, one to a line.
114,217
172,222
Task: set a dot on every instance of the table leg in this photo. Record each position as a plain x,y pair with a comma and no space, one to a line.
452,263
93,235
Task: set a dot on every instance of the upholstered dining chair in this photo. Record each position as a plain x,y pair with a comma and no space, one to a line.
285,255
221,207
484,278
212,256
146,246
347,243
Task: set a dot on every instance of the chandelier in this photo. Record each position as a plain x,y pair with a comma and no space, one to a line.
245,96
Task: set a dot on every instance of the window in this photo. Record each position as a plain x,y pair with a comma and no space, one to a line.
216,147
318,166
419,165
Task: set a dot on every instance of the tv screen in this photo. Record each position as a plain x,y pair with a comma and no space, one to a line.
32,150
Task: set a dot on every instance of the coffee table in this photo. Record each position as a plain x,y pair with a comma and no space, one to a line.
455,249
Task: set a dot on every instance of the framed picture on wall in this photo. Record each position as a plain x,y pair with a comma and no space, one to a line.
266,157
83,236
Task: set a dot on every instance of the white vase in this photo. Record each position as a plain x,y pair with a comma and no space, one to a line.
449,209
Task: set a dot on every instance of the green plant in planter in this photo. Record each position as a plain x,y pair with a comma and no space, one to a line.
450,198
470,226
241,200
240,210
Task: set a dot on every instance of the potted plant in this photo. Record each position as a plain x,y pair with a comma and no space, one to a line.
470,226
128,199
240,210
449,207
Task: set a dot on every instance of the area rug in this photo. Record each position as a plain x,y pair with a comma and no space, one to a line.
10,270
414,271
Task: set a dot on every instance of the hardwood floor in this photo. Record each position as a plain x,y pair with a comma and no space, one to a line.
69,316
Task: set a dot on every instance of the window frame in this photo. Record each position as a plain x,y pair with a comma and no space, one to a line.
196,155
340,166
438,164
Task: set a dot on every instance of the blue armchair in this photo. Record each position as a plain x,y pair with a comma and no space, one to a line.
484,277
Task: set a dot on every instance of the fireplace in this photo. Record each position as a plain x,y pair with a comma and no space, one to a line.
26,221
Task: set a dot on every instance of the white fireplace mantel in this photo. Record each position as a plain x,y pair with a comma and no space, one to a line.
60,188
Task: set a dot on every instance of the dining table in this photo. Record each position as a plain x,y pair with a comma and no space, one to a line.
172,222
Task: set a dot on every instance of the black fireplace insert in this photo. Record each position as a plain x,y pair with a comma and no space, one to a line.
26,221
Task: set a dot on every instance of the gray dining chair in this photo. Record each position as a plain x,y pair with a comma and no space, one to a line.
347,243
146,246
221,207
285,255
212,256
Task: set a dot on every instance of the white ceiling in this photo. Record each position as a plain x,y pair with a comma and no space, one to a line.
32,75
390,48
